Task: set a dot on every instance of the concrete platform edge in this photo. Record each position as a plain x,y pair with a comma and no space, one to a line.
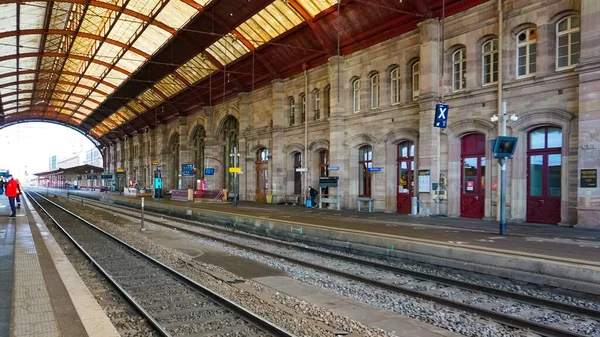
93,318
568,275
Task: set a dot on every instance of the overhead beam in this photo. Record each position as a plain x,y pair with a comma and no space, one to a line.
10,84
39,105
48,90
105,5
326,42
66,32
54,54
43,71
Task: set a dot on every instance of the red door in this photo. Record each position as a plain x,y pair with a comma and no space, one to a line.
473,163
544,164
406,166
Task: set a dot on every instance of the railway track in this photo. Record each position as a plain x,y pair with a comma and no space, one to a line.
505,307
171,302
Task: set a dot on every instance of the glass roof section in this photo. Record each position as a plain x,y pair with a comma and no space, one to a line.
269,23
76,58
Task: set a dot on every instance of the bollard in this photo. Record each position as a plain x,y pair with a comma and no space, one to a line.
143,228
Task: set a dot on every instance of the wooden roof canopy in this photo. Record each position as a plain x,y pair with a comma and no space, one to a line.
113,68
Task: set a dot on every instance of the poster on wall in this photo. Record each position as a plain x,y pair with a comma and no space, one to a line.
424,181
187,170
589,178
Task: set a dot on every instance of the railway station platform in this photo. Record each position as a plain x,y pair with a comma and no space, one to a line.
543,254
41,294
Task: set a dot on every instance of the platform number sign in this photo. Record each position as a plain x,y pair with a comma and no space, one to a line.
441,116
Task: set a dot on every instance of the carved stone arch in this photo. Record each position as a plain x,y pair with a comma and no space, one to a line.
223,114
294,147
561,14
543,117
174,136
193,131
454,48
467,126
391,67
254,150
360,140
521,27
222,122
398,135
318,145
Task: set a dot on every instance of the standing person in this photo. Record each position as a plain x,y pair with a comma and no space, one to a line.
2,185
313,193
18,193
11,193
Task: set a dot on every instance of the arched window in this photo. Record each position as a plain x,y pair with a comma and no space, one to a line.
459,69
526,52
317,105
567,42
356,95
490,61
374,91
262,155
292,107
365,162
415,80
303,100
395,85
231,154
326,100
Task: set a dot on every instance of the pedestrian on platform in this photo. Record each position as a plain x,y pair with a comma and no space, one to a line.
18,193
2,183
11,193
313,193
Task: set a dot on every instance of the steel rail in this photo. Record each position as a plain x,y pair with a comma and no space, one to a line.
247,315
508,320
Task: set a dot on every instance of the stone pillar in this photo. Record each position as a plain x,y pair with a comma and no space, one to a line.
337,148
428,152
279,123
244,124
213,148
185,154
152,154
163,155
588,198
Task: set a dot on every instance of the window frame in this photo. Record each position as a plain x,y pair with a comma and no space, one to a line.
374,79
462,71
416,79
303,108
292,111
527,44
356,95
365,161
395,86
493,53
317,104
569,33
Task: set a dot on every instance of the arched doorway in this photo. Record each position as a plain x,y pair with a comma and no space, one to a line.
262,175
365,162
174,179
231,158
297,175
544,165
473,163
406,171
324,171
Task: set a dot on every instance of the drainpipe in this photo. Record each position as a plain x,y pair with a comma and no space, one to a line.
305,159
501,122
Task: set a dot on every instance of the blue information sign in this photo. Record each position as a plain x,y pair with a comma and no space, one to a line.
441,115
187,170
209,171
107,176
374,169
333,168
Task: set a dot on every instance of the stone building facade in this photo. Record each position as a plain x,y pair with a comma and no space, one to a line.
375,109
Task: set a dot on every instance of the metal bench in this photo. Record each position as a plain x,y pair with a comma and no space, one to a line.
291,199
330,199
366,199
231,196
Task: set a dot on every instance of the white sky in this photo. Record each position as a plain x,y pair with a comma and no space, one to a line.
28,146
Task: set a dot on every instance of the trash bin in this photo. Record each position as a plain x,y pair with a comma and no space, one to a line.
269,198
415,205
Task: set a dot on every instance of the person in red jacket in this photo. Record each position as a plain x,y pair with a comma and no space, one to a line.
11,193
